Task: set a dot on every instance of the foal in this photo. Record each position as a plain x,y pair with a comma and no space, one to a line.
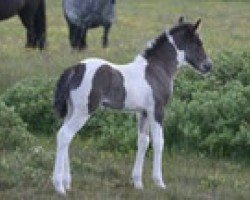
143,85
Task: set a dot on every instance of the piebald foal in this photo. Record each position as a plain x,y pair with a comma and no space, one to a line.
143,85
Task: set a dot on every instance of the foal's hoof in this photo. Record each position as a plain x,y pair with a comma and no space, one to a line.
137,183
61,191
59,188
160,184
67,185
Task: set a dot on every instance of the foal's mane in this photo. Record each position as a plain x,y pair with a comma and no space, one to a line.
159,40
154,44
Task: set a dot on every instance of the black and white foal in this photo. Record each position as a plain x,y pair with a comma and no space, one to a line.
143,85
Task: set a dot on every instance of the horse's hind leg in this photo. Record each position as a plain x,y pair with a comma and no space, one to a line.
75,36
105,40
40,25
142,143
72,34
61,174
83,43
27,19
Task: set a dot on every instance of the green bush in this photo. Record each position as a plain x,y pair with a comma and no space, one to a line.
212,113
32,100
207,113
32,167
117,131
13,131
228,66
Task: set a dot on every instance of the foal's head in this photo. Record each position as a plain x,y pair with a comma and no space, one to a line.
187,39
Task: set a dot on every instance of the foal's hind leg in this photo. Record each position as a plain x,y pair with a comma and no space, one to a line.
64,137
66,172
142,143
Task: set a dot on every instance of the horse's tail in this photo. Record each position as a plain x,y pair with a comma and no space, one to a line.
40,24
70,79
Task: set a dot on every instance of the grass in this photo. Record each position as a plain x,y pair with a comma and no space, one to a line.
104,175
224,28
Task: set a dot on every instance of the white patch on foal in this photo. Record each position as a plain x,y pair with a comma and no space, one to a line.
134,81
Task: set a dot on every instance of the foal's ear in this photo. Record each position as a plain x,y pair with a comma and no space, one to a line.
181,20
197,25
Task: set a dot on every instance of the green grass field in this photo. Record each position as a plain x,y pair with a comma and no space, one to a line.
104,175
225,27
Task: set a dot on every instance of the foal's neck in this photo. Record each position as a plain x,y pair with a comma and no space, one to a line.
162,53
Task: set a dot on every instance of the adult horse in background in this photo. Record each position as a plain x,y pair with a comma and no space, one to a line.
33,16
143,86
84,14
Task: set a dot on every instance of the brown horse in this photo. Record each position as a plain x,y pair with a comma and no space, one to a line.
32,15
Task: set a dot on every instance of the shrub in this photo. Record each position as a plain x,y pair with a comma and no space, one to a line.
212,113
32,100
117,131
32,167
208,114
228,66
13,131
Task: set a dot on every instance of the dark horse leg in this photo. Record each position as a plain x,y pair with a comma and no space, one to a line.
40,25
26,15
83,43
74,35
105,35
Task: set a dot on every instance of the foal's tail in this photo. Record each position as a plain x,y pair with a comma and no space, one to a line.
69,80
62,93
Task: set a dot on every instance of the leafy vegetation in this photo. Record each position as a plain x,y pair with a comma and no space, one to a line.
206,113
13,131
32,100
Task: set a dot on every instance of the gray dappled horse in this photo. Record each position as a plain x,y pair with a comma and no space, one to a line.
33,16
143,86
84,14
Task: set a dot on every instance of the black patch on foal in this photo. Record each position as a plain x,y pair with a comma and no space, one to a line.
107,89
159,72
77,73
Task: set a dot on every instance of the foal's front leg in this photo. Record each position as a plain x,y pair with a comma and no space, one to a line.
158,143
142,143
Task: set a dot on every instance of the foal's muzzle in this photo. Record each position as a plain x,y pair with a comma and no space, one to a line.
206,66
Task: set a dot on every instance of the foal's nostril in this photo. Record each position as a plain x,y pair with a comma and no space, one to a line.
207,65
